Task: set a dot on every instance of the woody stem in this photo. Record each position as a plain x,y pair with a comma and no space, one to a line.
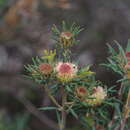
63,112
115,113
51,97
126,112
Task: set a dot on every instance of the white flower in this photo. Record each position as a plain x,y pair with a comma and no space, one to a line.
97,97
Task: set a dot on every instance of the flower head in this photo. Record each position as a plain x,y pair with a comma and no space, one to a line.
97,97
66,39
127,69
128,55
81,92
128,74
66,71
45,68
66,35
127,66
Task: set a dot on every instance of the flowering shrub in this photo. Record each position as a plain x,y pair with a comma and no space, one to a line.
82,96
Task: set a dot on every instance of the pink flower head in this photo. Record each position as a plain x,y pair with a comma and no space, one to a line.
66,71
99,91
45,68
66,39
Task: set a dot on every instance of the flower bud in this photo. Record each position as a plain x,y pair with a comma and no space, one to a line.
128,75
127,66
45,69
127,69
81,92
66,39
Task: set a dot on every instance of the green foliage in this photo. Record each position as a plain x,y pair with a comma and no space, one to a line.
128,46
117,60
83,96
47,108
119,63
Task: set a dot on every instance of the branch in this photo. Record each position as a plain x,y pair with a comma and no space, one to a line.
126,112
52,98
115,114
63,112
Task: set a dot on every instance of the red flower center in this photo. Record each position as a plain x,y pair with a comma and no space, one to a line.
82,90
45,68
67,34
65,68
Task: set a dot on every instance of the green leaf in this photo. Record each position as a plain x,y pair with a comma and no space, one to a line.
48,108
68,88
73,113
111,88
72,27
117,109
58,117
90,121
109,103
55,29
34,62
111,50
102,114
64,26
122,80
27,77
128,46
122,52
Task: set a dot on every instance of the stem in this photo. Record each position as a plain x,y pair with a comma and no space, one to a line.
63,112
120,91
115,113
52,98
62,124
126,112
122,124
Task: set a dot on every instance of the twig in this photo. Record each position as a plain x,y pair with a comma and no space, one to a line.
52,98
126,112
64,99
115,114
